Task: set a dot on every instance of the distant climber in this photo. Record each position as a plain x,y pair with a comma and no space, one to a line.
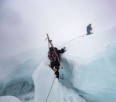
54,56
89,29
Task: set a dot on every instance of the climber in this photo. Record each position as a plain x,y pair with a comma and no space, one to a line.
89,29
54,56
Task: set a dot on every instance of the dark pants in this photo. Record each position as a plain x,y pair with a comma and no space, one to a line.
88,32
56,65
57,74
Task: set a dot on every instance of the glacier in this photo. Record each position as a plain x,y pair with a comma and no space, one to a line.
88,73
16,71
9,99
93,81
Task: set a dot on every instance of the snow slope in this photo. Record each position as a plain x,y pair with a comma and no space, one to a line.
93,61
95,77
43,79
88,72
9,99
93,81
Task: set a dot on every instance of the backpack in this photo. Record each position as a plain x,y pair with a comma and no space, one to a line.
52,55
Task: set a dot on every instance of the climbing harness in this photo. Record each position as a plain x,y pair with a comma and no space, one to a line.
55,70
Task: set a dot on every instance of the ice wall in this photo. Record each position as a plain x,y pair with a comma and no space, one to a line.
16,72
93,61
96,78
43,79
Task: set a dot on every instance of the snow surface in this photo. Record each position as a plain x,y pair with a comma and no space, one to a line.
27,97
9,99
43,79
95,78
88,73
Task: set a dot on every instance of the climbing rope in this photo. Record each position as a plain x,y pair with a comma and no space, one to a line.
50,89
50,43
72,40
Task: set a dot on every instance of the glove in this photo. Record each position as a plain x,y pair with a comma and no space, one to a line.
64,48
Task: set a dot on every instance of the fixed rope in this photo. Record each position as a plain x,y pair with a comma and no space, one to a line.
72,40
50,44
50,89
